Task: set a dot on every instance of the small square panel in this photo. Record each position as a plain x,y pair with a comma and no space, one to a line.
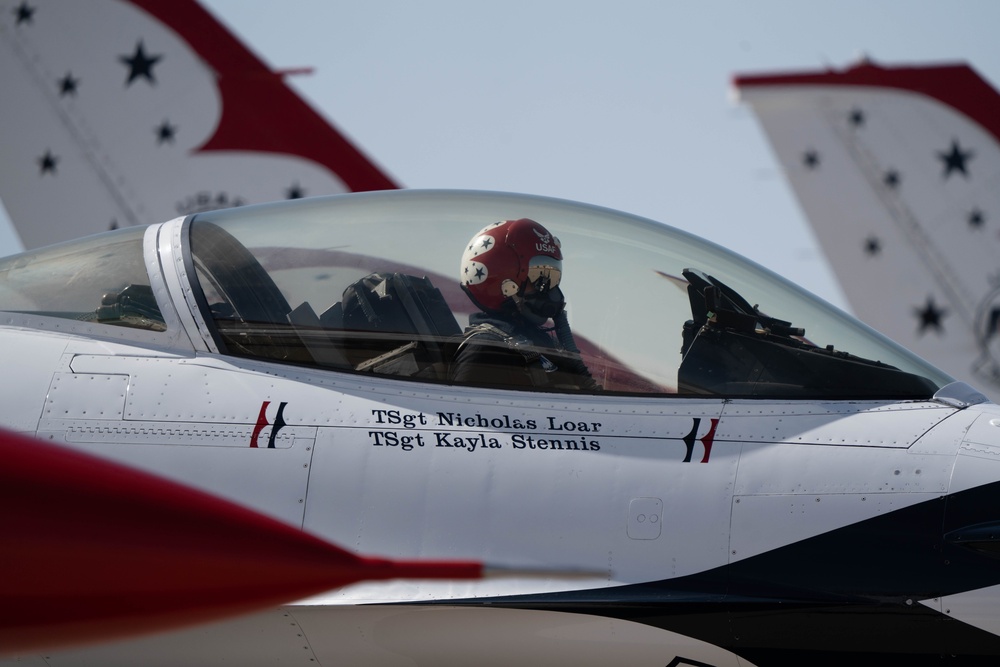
644,518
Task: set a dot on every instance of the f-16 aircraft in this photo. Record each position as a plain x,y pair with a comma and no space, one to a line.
130,112
897,169
760,478
753,492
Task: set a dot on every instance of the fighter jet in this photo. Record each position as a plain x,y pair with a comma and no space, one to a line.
757,477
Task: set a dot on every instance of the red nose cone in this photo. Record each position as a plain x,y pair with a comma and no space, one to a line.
92,550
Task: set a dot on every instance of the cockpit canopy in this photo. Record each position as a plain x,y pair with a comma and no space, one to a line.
368,283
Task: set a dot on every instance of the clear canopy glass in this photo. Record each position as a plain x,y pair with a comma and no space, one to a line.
369,283
653,309
100,279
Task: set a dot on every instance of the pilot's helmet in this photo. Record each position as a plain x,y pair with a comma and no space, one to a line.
502,259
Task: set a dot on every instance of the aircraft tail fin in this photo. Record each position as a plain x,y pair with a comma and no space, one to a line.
125,112
897,170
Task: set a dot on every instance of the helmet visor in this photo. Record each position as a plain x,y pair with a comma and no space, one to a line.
544,273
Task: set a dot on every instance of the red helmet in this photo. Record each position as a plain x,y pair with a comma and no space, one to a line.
503,257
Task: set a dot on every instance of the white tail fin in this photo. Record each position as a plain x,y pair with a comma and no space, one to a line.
125,112
898,171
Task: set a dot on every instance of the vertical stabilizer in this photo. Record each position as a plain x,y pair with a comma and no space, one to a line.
120,113
898,171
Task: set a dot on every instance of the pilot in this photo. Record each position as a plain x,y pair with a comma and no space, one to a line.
511,271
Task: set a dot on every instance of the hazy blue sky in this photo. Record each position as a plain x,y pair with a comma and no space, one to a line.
624,104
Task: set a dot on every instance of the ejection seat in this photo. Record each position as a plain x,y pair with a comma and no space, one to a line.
406,327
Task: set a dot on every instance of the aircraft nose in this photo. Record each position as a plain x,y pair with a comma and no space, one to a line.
970,558
972,516
978,460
